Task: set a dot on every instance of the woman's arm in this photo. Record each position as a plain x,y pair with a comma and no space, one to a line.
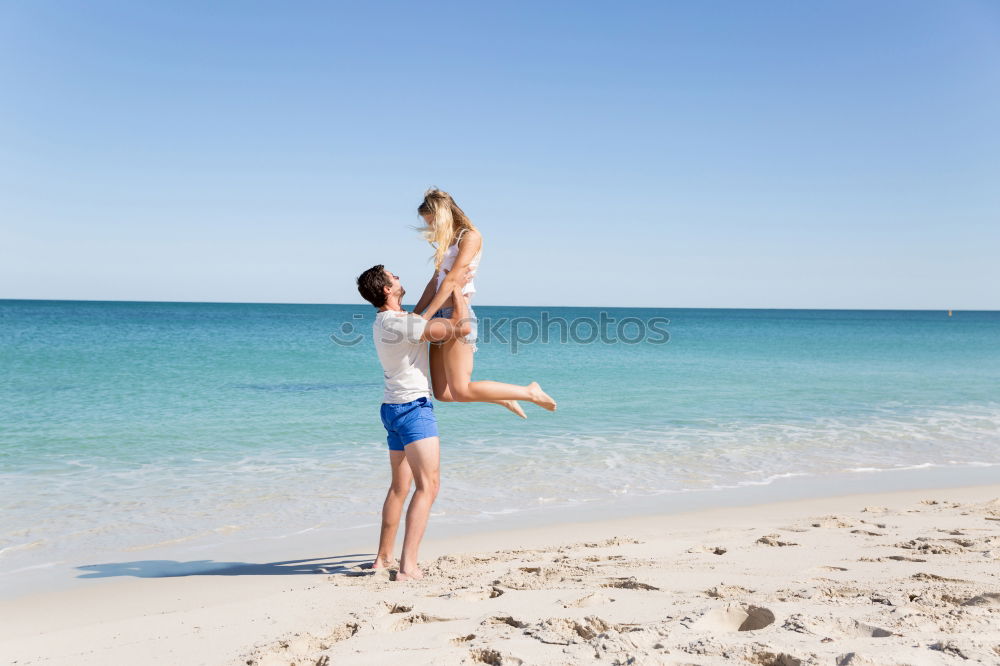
458,275
439,330
425,298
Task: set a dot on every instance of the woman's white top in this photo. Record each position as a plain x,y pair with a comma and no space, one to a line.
449,261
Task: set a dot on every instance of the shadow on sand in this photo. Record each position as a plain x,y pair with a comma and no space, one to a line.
339,564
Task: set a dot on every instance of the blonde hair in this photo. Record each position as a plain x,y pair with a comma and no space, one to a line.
447,220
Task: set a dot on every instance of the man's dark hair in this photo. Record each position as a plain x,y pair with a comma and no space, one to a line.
372,283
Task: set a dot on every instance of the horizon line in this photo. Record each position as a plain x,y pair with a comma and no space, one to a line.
618,307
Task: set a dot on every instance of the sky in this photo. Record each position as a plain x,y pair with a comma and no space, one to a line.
767,154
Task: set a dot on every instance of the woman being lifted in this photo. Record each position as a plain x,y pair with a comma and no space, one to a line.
458,247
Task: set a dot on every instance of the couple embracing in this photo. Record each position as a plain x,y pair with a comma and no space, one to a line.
429,349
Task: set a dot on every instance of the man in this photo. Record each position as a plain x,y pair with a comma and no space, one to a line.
407,411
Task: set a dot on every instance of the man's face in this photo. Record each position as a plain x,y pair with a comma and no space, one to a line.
397,288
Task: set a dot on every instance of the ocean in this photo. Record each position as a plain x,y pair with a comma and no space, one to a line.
130,429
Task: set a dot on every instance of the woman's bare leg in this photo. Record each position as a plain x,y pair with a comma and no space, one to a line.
458,366
439,380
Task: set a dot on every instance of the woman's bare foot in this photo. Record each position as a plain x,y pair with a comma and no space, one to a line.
514,406
541,398
381,562
412,574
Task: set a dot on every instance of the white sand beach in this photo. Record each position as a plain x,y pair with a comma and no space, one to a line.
908,577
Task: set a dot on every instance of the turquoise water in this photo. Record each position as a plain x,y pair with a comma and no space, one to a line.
127,427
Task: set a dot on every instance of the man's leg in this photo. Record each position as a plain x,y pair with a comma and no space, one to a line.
392,508
424,457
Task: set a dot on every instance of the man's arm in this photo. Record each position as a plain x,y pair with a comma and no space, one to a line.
441,329
425,298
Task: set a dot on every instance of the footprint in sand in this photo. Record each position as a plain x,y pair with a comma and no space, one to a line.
565,631
420,618
494,657
628,584
300,645
592,599
855,659
343,632
929,546
934,578
759,656
833,522
613,541
774,540
505,619
991,599
723,591
842,592
896,558
531,578
715,550
474,594
834,627
597,558
394,608
946,503
733,617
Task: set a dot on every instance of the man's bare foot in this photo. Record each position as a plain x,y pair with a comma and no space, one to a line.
541,398
514,406
412,574
381,563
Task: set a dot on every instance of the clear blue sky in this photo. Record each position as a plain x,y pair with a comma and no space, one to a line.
673,154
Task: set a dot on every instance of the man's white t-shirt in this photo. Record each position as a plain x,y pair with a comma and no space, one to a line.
403,355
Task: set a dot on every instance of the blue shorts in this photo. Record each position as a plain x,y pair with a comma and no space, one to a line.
409,421
473,335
